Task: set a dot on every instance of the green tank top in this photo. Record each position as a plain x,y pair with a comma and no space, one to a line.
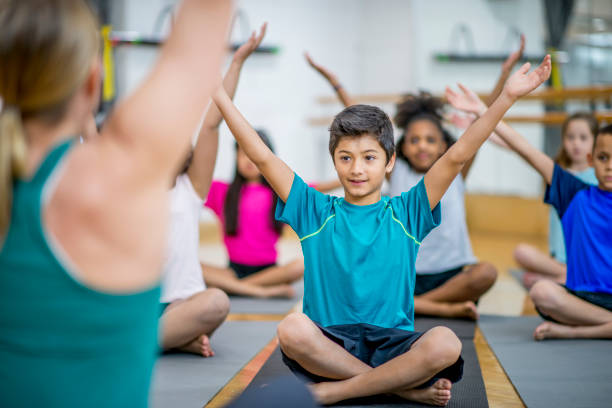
63,344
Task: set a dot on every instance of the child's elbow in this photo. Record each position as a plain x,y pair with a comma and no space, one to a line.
458,157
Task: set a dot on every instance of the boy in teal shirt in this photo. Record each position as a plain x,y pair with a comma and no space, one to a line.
359,254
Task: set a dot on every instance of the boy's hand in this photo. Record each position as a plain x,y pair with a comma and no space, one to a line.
521,82
514,57
251,45
466,100
460,121
321,69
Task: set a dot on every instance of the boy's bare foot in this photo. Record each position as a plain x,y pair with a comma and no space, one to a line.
461,309
323,392
278,291
529,278
437,394
550,330
199,346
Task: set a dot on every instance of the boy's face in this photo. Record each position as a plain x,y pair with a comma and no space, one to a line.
601,160
361,164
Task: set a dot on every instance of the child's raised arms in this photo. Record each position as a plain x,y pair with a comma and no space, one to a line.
468,101
333,81
151,130
506,70
439,177
205,152
276,172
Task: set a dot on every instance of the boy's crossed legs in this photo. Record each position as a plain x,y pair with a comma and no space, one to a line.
301,340
186,325
573,317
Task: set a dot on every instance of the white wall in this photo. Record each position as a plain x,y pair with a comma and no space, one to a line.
374,46
494,171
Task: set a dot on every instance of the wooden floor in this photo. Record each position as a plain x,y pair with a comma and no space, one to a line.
507,297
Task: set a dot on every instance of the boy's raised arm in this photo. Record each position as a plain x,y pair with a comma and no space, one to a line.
506,70
277,173
205,152
344,97
468,101
440,176
536,158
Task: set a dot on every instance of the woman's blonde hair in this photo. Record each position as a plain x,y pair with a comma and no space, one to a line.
46,51
562,158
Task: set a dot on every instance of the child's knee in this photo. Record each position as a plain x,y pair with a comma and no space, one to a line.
544,294
216,304
296,269
487,274
294,333
521,253
443,348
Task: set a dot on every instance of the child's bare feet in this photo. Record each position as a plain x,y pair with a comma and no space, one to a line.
199,346
530,278
462,309
278,291
437,394
550,330
323,392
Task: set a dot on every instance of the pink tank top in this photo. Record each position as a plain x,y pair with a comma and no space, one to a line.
255,239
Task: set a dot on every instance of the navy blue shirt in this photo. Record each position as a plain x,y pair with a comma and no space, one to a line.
586,216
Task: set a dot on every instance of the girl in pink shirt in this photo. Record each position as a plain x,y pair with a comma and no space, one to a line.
245,208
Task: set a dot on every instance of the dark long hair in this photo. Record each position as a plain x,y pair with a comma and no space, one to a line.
232,199
412,108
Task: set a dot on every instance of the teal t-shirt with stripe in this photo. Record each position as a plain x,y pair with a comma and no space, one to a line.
359,260
63,344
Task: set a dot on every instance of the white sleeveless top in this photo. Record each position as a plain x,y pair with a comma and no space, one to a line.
182,275
448,245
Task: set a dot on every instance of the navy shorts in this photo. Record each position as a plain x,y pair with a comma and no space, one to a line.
603,300
426,282
242,271
374,346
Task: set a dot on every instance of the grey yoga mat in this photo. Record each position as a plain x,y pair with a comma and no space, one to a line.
550,373
248,305
184,380
469,392
464,329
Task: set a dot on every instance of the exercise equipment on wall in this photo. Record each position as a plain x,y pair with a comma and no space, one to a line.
461,32
112,39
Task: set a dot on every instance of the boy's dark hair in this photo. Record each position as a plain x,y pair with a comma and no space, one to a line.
357,120
423,106
232,199
562,158
606,130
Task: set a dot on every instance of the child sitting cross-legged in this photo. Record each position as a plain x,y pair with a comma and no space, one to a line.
356,336
582,307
